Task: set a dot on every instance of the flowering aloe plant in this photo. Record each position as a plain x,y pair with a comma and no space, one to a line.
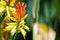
15,14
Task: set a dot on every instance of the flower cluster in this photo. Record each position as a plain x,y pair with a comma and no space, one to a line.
16,14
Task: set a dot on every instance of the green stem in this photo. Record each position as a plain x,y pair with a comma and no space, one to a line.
15,36
0,32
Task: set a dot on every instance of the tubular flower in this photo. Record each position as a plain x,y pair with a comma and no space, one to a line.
22,24
17,15
20,10
13,31
23,32
10,26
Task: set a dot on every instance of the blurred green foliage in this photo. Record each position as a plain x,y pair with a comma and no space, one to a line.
49,14
1,19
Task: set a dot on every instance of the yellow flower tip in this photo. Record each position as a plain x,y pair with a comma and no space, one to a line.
13,31
11,4
24,38
12,10
23,32
24,17
8,14
8,28
12,24
3,3
22,22
25,27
